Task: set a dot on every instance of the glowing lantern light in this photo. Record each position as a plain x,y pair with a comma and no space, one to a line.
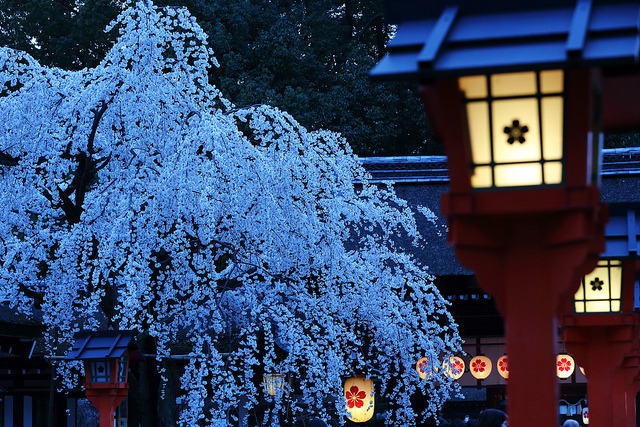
601,290
565,365
273,383
480,367
585,416
360,399
425,368
454,367
503,367
510,147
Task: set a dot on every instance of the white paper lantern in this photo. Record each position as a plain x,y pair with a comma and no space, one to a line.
360,399
480,367
503,367
565,365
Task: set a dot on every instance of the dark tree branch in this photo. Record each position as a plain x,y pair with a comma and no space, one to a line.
85,171
98,113
8,160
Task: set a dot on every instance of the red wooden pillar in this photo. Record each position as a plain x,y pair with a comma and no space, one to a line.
527,262
606,346
601,351
106,399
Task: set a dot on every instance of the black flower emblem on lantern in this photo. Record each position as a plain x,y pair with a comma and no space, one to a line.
596,284
516,132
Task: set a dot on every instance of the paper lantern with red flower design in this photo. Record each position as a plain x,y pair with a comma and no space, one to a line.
503,367
360,399
480,367
565,365
454,367
425,368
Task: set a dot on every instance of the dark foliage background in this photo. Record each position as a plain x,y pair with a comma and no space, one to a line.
308,57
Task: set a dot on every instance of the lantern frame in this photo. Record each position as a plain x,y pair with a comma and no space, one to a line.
509,149
106,356
601,291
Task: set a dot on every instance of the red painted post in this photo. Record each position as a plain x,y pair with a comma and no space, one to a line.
527,262
600,350
606,346
106,398
531,340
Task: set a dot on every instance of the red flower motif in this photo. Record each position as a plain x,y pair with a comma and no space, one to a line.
503,364
355,397
423,366
564,364
478,365
457,367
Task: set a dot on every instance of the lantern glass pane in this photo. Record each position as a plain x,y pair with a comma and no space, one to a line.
474,86
552,127
601,290
122,369
551,81
553,173
511,84
478,119
615,280
100,371
516,130
521,174
482,177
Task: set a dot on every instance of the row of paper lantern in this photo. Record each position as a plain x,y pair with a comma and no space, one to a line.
359,391
481,366
360,396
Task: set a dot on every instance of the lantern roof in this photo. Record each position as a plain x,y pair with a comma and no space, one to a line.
623,231
103,345
472,37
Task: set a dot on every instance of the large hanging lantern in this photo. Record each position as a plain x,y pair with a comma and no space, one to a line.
503,367
425,368
360,399
453,367
518,104
601,290
480,367
565,365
